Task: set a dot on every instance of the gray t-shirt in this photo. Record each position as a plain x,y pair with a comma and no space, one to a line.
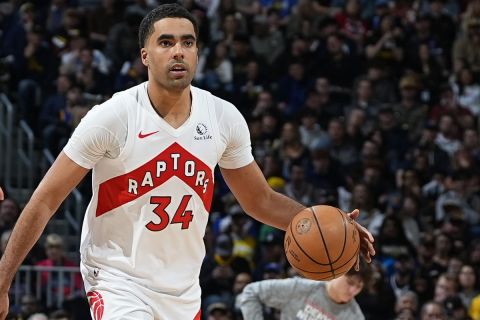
296,298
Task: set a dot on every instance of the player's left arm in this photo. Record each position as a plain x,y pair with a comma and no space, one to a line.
260,201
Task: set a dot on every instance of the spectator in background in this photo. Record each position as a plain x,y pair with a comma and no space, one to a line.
241,281
394,243
352,25
407,300
474,310
383,85
377,300
363,100
289,147
410,112
220,269
362,199
409,214
29,305
218,311
55,250
215,70
446,287
447,104
394,138
311,133
4,236
312,297
292,88
131,74
9,212
34,63
455,309
467,90
443,249
267,43
355,128
466,49
386,44
338,64
55,120
321,101
121,44
251,85
100,19
298,187
270,251
56,14
240,227
429,69
433,311
468,283
340,147
443,27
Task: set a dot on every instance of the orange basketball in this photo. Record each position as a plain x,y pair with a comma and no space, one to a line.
322,243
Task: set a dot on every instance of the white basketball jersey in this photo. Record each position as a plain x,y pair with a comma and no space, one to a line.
153,185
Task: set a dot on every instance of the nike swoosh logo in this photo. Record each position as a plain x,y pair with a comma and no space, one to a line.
142,135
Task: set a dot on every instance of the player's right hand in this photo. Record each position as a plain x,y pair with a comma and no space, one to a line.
4,304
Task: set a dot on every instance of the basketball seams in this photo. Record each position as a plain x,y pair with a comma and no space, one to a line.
323,240
344,234
343,265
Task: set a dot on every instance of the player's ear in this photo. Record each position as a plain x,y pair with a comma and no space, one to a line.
144,56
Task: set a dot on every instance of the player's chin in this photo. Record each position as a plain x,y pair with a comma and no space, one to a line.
179,83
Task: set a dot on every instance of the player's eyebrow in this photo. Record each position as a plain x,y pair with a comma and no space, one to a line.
172,37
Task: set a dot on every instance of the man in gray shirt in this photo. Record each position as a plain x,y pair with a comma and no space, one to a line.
304,299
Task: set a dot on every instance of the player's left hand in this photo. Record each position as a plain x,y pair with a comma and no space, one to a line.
366,240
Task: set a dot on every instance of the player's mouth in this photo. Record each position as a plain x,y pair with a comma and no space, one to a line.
178,70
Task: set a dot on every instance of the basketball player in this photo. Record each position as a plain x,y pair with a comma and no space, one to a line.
303,299
153,149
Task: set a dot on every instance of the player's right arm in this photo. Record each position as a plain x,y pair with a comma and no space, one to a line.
63,176
269,293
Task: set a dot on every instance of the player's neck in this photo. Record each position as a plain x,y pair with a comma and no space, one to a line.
173,106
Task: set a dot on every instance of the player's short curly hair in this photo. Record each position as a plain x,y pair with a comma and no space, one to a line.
170,10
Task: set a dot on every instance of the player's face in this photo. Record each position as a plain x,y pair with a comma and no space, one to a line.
170,53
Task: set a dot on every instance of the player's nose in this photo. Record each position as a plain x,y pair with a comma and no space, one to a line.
178,51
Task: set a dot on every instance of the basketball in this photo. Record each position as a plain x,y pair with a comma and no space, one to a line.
322,243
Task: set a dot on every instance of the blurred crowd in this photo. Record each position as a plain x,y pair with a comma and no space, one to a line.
368,104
